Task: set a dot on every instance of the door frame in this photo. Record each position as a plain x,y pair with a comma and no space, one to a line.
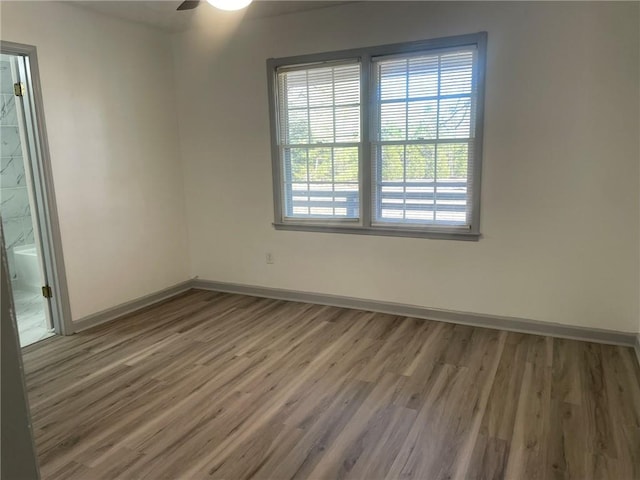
47,211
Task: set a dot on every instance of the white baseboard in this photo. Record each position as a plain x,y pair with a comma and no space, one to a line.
465,318
129,307
513,324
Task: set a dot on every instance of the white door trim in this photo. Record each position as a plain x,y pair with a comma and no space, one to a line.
47,212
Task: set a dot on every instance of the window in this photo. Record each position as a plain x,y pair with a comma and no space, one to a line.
319,140
384,140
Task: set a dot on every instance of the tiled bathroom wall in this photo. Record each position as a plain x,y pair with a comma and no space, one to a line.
14,195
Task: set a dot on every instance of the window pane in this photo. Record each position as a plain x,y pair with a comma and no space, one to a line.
423,81
321,182
345,164
297,199
393,121
392,162
347,85
455,118
320,167
422,119
321,125
452,161
456,71
296,164
347,124
347,200
421,164
298,126
393,80
296,88
320,87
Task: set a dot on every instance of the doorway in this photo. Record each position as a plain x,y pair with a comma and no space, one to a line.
31,238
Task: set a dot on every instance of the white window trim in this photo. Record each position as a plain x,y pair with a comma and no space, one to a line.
365,225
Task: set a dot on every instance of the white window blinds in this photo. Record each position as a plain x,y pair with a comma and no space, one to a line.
319,140
422,148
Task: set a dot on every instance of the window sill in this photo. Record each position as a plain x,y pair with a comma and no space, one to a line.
382,231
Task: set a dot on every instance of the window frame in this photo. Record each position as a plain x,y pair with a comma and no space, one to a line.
365,224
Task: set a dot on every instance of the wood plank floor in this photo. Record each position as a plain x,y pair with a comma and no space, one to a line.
220,386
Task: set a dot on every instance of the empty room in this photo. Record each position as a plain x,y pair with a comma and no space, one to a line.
320,239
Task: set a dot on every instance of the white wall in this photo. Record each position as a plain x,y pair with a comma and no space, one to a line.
560,180
109,102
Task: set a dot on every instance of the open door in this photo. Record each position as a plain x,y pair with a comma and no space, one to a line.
27,204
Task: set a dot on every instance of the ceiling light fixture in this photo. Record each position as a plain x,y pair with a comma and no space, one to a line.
230,4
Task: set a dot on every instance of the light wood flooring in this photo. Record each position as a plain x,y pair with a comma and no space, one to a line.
210,385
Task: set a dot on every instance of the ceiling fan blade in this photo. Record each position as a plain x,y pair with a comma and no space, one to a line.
188,5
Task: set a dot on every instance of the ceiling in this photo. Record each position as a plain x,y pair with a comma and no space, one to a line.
162,13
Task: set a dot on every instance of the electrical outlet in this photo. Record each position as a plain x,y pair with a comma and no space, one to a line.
269,258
